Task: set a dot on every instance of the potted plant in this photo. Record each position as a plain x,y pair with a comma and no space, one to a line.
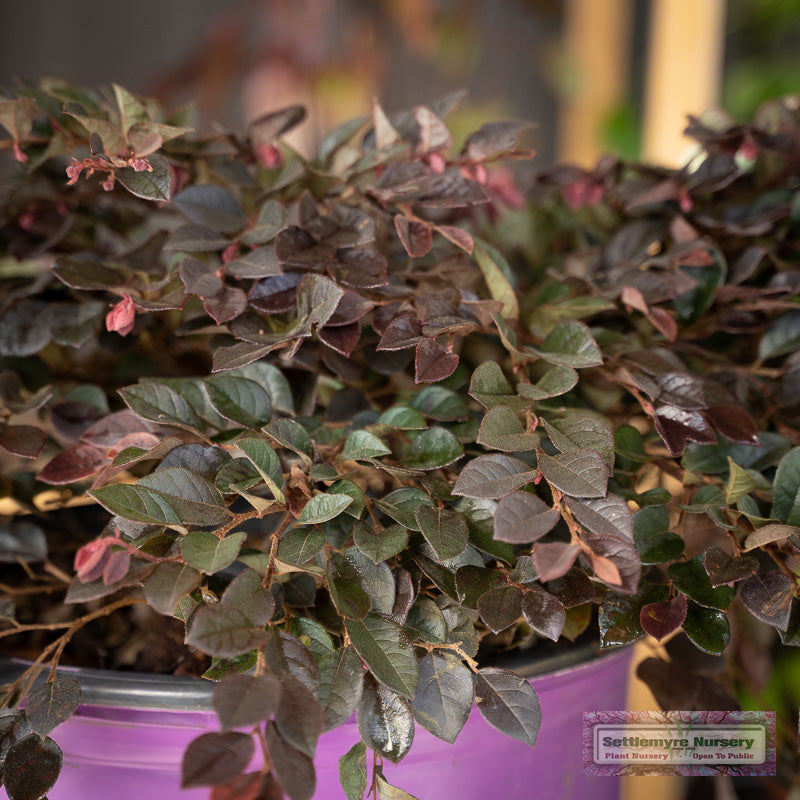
341,444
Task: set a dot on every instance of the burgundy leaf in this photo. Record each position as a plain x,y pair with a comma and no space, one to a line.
661,619
494,138
769,597
450,190
361,268
458,236
433,133
403,331
295,770
71,418
573,589
226,304
734,423
198,278
275,294
521,517
612,554
351,308
554,559
545,614
297,249
22,440
723,568
106,432
677,426
91,560
414,234
143,441
214,758
501,607
77,462
342,338
433,362
243,787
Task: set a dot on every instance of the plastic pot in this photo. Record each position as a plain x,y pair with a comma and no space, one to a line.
127,739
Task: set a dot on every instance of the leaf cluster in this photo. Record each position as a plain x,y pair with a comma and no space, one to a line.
355,441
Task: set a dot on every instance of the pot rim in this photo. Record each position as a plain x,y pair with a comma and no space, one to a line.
121,689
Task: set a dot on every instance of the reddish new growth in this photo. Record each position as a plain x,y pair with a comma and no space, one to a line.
122,317
109,164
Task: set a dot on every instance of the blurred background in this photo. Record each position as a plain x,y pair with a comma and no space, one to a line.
596,75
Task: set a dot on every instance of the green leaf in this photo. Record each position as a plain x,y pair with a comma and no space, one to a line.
433,448
445,531
344,583
352,490
708,278
272,380
708,628
211,206
341,684
582,432
488,385
444,696
270,222
353,771
138,504
323,507
493,476
317,298
31,767
508,703
403,418
619,620
387,651
313,635
497,275
570,344
162,404
440,404
402,504
782,337
291,435
208,553
266,461
380,545
385,721
579,473
740,482
502,430
240,400
786,489
652,537
363,445
556,381
690,577
425,621
192,497
156,185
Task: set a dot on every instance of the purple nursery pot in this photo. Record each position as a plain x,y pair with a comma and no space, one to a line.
127,740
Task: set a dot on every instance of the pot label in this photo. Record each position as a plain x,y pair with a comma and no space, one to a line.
679,742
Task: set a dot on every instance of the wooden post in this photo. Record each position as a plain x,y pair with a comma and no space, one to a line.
597,46
683,73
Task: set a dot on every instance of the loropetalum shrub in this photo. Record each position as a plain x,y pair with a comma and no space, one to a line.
352,441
